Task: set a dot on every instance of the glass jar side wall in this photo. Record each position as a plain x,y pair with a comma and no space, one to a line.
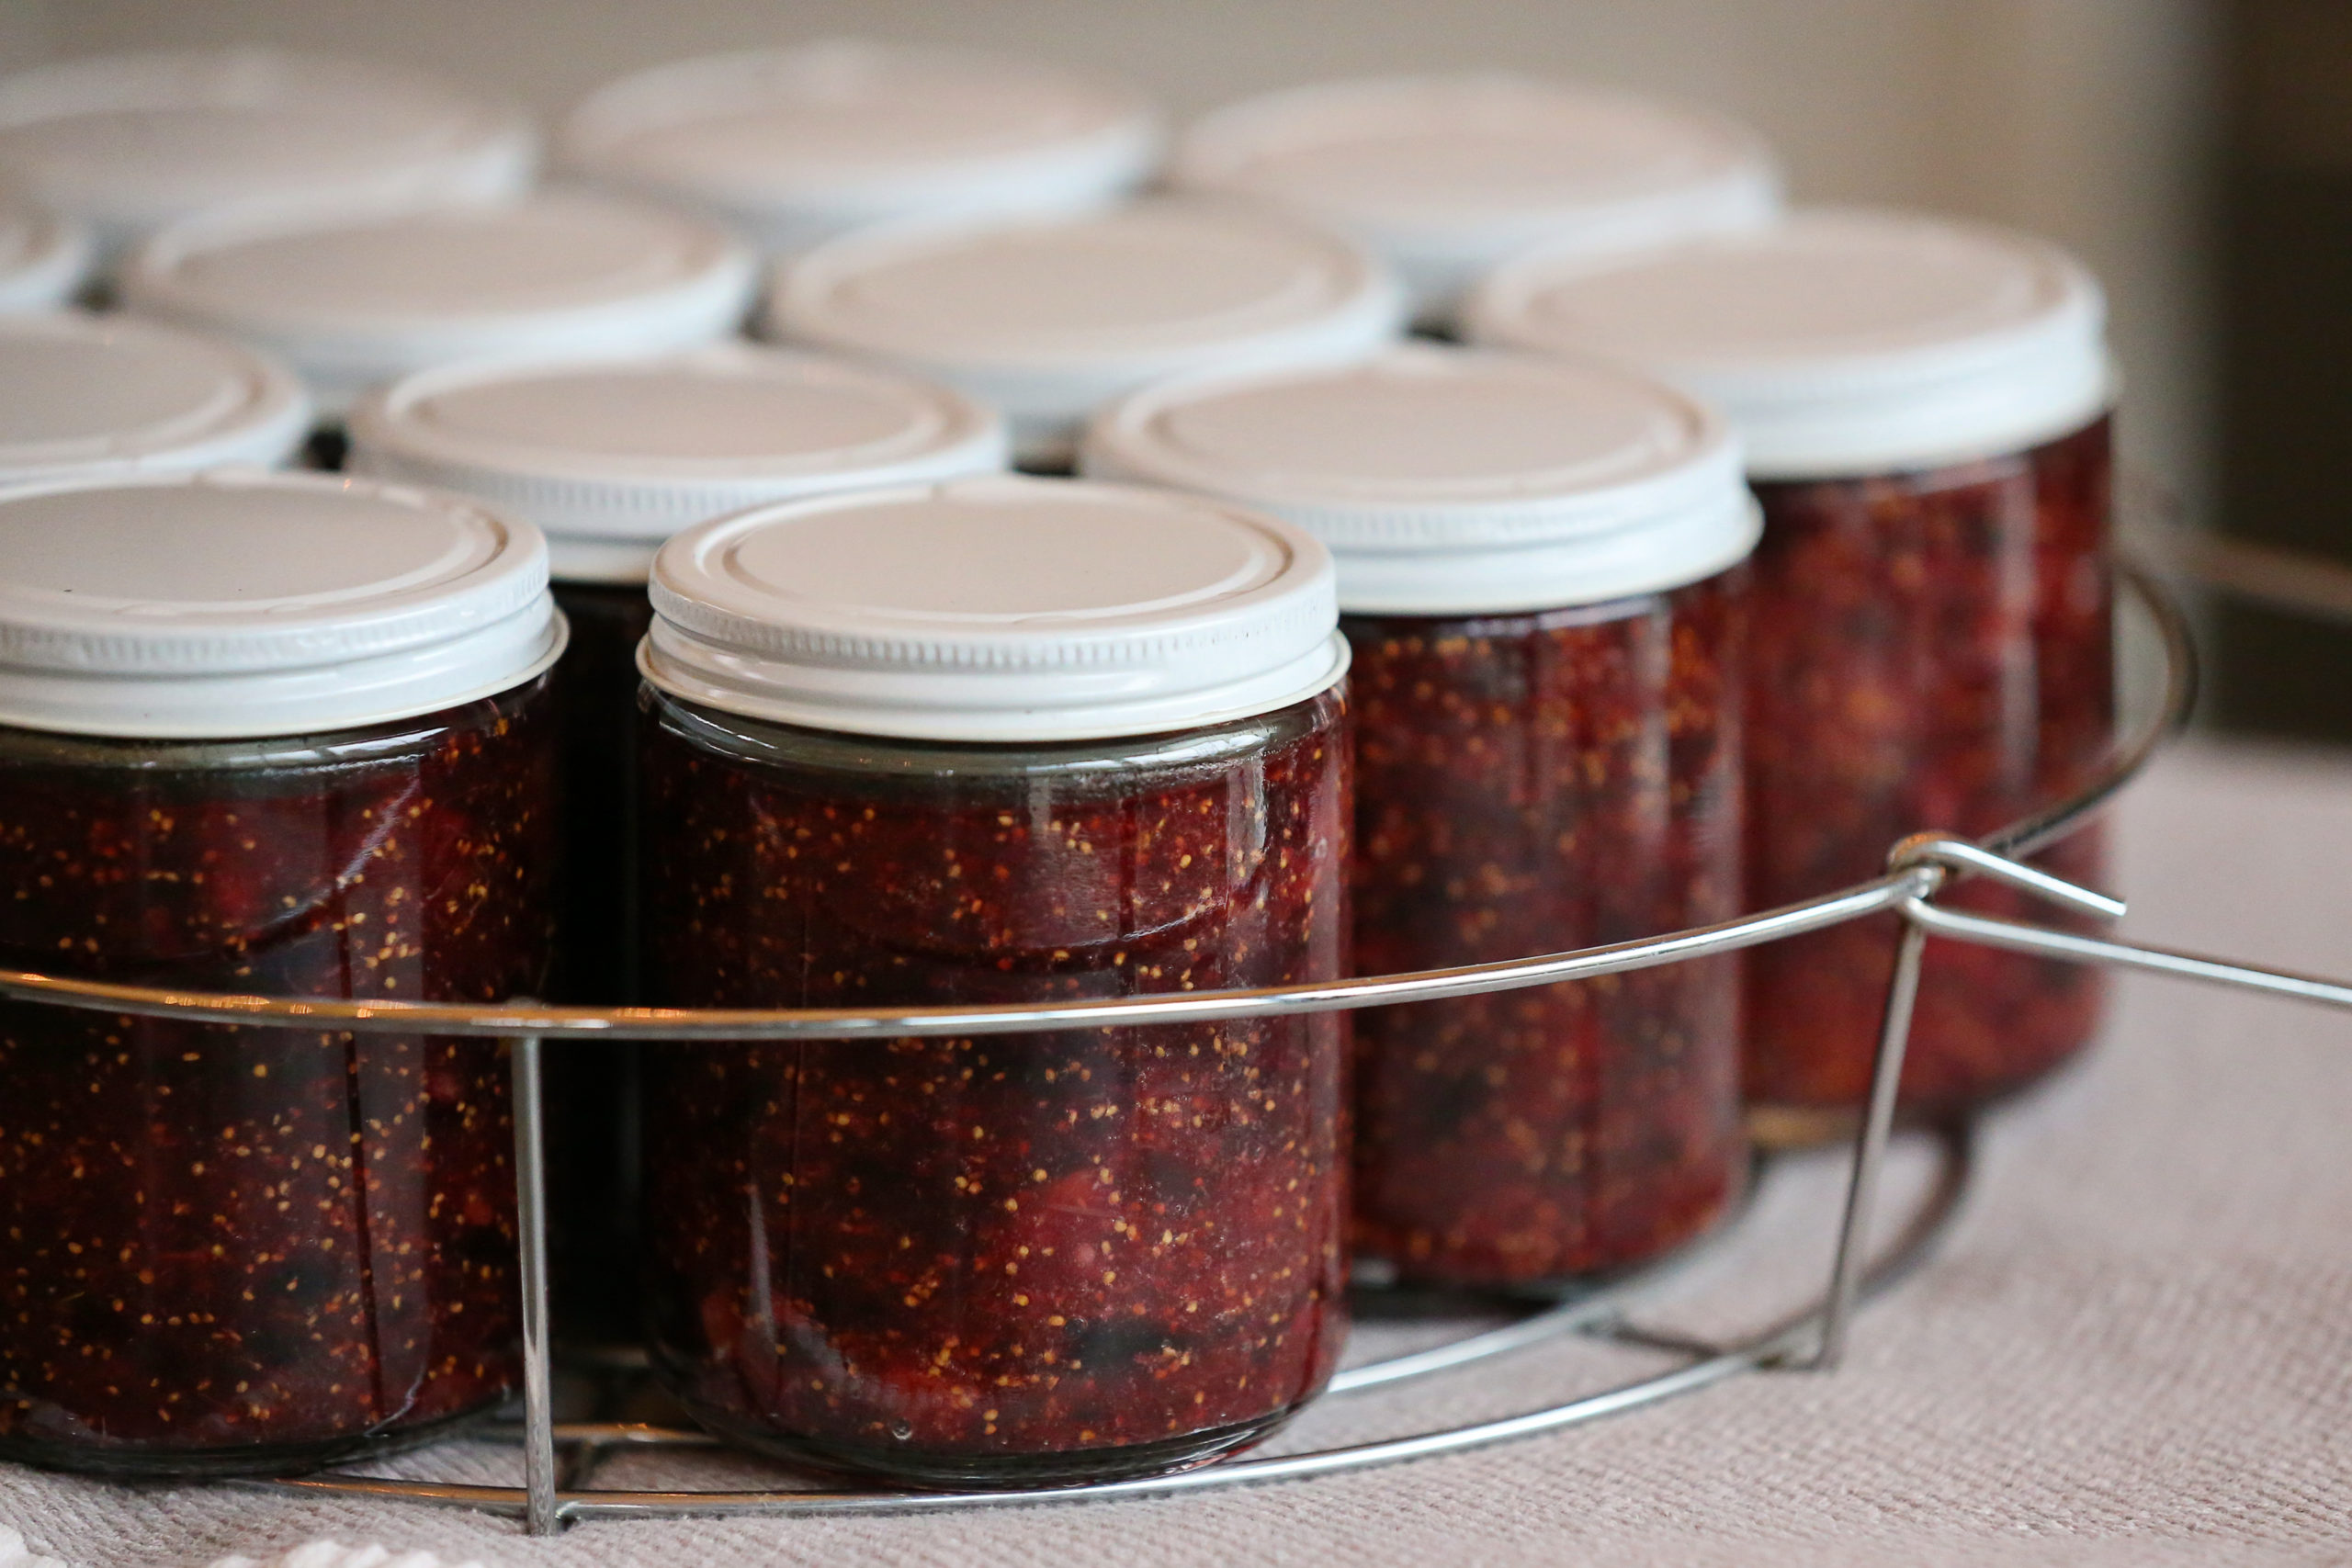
1018,1258
231,1249
1527,783
1934,652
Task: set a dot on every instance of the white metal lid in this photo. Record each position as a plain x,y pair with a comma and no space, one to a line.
44,258
1451,481
92,397
241,603
1000,609
130,143
610,458
1448,175
362,297
1049,318
1839,342
798,145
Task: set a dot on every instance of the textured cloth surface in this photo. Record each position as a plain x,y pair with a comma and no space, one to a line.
2132,1349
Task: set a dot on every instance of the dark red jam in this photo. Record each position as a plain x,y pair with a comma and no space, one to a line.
1933,650
1527,783
590,1086
1010,1259
236,1249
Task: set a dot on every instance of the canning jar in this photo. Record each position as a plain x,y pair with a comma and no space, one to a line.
609,457
1925,406
44,259
795,146
1539,574
275,735
107,397
1447,177
993,742
362,295
129,143
1047,319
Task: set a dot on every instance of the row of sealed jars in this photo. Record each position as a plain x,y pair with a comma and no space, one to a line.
1014,740
1926,408
408,234
992,740
1444,175
1046,318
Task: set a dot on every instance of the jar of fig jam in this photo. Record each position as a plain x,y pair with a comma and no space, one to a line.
44,259
360,296
130,144
1447,177
797,146
1539,570
273,735
1048,319
991,742
610,458
1925,408
109,397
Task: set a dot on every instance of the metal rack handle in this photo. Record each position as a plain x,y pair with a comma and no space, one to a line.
1923,918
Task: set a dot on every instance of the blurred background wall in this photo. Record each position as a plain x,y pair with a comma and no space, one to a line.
2197,152
2282,208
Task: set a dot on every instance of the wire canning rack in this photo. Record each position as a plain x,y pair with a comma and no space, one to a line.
558,1459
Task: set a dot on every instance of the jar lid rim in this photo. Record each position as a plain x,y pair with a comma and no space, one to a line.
363,292
1048,318
234,602
88,395
664,125
628,449
1839,341
1450,480
994,609
361,126
1335,147
1303,277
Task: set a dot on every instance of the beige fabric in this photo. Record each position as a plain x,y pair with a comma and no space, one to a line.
2137,1347
328,1553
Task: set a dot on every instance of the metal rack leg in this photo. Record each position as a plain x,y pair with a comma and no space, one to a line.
530,1209
1869,1148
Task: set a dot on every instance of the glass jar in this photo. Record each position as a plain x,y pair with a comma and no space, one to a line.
1539,570
85,397
129,143
231,1249
609,457
1966,613
1445,177
1925,407
993,742
795,146
1048,319
356,297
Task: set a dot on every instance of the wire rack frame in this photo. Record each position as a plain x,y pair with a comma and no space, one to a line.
558,1458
